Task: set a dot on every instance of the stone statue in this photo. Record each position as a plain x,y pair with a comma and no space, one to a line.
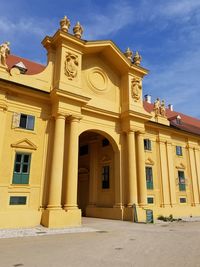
137,59
4,52
136,89
129,54
65,24
78,30
157,107
162,108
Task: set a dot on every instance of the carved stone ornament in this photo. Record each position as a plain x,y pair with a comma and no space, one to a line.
136,89
78,30
71,66
65,24
4,52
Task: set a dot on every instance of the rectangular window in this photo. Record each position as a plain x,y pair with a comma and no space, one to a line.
105,177
150,200
15,200
83,150
183,200
149,177
181,179
147,144
21,168
179,151
27,122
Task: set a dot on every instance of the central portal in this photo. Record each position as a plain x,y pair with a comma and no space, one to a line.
96,181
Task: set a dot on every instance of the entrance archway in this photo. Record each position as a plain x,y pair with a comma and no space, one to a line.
96,172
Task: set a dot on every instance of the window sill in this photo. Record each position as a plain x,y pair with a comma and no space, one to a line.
148,151
25,130
26,186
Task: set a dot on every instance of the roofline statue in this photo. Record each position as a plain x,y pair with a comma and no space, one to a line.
4,52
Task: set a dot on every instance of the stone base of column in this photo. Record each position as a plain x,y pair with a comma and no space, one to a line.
165,205
195,204
61,218
118,206
134,214
104,213
70,207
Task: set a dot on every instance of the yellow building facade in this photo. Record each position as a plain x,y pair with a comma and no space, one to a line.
77,140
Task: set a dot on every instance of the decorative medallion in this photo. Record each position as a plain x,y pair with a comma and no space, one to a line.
136,89
98,80
71,66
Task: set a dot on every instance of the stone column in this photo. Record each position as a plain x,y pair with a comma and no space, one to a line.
72,172
172,183
93,172
141,170
3,109
132,175
197,164
57,164
193,176
118,181
164,173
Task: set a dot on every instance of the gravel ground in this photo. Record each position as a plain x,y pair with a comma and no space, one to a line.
105,243
40,230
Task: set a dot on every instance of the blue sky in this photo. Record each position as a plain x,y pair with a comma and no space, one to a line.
166,34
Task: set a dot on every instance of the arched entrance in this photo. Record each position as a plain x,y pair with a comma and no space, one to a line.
96,173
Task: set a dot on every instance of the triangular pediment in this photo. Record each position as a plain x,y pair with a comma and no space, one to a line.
149,161
24,143
105,159
113,55
180,166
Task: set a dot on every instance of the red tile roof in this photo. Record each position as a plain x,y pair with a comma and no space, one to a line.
187,123
32,67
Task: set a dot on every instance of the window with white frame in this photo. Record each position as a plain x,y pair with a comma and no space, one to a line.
181,179
149,177
179,151
24,121
147,144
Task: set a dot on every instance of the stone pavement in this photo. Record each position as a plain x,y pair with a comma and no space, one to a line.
105,243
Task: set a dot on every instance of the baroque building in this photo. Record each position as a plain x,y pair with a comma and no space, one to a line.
77,139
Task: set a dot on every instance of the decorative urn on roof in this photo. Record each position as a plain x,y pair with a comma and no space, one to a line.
65,24
137,59
129,54
78,30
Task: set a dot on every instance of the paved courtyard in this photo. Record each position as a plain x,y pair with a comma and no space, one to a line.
104,243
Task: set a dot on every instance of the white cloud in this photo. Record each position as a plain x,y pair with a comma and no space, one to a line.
177,83
180,8
37,27
113,19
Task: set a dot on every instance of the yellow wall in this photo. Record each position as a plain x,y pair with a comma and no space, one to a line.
96,102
